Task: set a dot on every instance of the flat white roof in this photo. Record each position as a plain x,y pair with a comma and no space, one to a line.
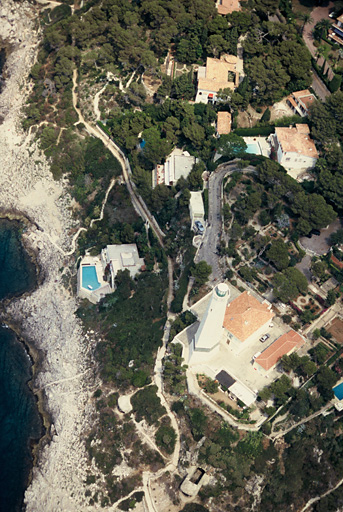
243,393
197,204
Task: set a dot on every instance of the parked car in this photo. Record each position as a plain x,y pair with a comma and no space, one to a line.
264,338
199,226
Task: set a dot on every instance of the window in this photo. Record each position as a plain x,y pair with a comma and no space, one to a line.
287,159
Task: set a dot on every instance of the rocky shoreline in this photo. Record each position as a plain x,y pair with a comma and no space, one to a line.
64,377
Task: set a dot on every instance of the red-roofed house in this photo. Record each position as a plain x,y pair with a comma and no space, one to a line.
336,262
300,101
285,345
245,320
227,6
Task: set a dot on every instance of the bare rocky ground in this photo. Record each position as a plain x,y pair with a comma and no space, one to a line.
65,374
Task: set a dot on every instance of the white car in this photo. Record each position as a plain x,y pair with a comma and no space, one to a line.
264,338
332,15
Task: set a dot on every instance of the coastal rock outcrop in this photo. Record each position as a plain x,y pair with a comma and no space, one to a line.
64,375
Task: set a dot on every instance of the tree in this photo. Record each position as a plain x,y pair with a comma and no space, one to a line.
331,298
321,29
166,438
266,116
323,124
335,83
231,145
306,19
318,269
308,367
194,179
183,87
201,272
337,237
155,148
288,284
278,254
326,378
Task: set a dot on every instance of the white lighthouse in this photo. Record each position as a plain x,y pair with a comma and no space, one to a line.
207,338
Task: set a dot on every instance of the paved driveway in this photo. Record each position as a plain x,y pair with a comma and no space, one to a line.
317,14
208,249
320,244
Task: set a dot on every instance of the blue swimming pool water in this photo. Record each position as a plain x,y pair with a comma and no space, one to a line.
338,390
89,277
253,149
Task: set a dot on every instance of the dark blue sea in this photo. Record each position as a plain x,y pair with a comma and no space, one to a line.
20,423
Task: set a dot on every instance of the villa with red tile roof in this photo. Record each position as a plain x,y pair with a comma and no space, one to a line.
245,320
285,345
218,74
294,148
227,6
300,101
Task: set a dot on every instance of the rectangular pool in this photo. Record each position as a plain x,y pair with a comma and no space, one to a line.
338,390
253,149
89,278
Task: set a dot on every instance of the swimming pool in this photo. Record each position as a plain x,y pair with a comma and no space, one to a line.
338,390
89,278
253,149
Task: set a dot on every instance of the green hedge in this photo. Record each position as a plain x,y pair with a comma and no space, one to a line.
104,128
263,131
205,199
319,72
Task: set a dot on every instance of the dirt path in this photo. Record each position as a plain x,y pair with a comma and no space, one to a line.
317,498
282,433
96,103
143,211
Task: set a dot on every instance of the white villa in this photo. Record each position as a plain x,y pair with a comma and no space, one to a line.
218,74
178,163
96,274
294,148
196,208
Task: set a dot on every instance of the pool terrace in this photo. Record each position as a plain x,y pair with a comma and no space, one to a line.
90,279
257,146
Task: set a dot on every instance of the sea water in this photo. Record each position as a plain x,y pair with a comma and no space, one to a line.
20,423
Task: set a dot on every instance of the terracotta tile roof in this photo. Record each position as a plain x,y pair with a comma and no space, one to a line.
282,346
204,84
245,315
296,140
336,261
226,6
223,123
217,74
305,96
217,69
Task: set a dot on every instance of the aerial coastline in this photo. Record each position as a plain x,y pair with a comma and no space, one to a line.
45,316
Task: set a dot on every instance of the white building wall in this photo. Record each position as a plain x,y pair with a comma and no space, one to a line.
210,330
202,96
196,208
296,161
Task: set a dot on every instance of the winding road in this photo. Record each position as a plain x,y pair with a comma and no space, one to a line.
208,248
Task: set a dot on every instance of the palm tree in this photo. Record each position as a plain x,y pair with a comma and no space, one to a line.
305,18
321,28
320,52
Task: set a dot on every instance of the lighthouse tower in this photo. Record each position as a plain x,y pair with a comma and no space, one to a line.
207,338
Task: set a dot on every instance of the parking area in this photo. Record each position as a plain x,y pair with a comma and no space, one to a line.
238,365
320,244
